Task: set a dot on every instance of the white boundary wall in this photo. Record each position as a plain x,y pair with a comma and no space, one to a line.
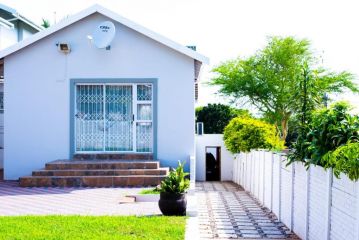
212,140
312,203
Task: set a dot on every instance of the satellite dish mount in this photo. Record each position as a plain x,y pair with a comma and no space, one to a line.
103,35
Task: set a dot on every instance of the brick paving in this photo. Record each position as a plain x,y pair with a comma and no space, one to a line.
15,200
226,211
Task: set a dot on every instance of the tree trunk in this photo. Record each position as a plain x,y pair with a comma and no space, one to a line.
284,124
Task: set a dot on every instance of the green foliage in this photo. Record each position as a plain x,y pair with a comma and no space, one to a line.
327,130
176,181
244,134
331,141
45,23
216,116
272,79
345,159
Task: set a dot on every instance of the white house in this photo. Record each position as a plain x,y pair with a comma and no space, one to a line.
14,27
135,97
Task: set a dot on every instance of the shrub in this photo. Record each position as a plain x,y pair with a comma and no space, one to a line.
327,130
216,116
244,134
176,181
345,159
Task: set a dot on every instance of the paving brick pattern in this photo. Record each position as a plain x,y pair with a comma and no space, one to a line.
15,200
226,211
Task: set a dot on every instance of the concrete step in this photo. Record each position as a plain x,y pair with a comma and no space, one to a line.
91,181
101,164
101,172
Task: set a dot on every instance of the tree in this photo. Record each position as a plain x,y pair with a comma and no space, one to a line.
272,80
216,116
45,23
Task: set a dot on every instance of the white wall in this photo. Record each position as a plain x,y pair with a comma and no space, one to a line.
313,203
212,140
1,133
37,97
8,37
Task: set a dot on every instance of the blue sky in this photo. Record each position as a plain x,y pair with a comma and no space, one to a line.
225,29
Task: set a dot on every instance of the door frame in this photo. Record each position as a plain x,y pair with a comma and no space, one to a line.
114,81
218,153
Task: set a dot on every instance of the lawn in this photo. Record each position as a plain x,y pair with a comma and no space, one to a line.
149,191
91,227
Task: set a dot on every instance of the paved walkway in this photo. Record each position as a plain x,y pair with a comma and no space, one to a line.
226,211
80,201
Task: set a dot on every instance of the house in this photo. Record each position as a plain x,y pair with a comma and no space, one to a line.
14,27
132,100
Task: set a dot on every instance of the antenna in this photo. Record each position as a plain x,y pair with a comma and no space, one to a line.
103,35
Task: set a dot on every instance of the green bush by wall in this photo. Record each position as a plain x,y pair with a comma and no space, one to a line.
244,134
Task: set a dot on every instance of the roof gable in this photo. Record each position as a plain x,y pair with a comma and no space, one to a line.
99,9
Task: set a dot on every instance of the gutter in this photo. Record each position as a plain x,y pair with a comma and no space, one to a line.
6,23
25,20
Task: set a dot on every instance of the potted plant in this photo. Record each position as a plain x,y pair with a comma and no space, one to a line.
173,188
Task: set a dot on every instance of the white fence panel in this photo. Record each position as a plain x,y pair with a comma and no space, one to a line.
300,201
343,211
267,183
286,195
318,203
276,185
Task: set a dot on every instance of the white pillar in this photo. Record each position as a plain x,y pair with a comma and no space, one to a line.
357,208
329,200
280,188
271,182
307,204
292,197
192,167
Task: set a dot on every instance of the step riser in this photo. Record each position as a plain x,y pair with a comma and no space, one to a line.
89,166
135,156
128,181
99,173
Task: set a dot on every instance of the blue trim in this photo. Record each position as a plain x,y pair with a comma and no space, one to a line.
75,81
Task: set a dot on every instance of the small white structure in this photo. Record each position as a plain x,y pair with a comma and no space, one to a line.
210,147
70,97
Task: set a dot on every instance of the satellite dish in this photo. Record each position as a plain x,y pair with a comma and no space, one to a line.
103,34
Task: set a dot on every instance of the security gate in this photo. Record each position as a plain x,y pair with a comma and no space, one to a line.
113,118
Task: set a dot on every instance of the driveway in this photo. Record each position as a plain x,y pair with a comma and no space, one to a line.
226,211
15,200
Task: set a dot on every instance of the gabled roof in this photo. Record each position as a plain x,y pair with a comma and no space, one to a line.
99,9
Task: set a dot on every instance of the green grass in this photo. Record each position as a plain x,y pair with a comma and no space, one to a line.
149,191
91,227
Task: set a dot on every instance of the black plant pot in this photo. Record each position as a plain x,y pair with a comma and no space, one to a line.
173,204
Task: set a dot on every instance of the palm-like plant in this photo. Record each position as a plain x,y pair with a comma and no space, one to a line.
176,181
45,23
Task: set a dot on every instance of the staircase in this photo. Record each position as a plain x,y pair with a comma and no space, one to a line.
98,171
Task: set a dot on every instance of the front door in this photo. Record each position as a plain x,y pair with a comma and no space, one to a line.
113,118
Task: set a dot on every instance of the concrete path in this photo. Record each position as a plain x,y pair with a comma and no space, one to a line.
68,201
226,211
